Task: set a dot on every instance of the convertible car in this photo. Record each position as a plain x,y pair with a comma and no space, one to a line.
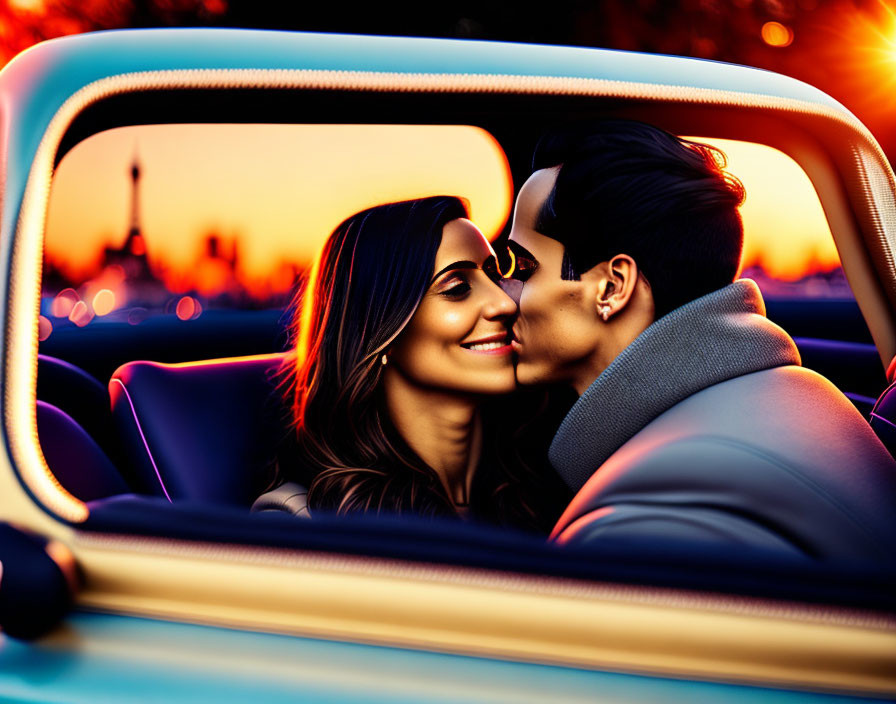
162,190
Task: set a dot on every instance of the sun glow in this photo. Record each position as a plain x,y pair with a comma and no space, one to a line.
860,48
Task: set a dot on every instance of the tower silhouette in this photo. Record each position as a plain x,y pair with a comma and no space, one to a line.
131,256
134,242
143,287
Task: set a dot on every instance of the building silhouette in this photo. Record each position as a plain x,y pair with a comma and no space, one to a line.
126,270
142,286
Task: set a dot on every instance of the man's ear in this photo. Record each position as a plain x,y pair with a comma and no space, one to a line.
616,279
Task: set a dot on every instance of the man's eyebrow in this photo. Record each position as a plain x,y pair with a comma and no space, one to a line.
465,264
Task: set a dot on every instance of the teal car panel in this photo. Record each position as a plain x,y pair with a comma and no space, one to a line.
99,658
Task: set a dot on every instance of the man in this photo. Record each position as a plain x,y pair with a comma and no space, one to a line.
695,422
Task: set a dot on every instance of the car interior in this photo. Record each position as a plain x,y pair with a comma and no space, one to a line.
172,425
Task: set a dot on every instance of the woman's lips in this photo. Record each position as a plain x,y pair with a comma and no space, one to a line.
498,351
493,345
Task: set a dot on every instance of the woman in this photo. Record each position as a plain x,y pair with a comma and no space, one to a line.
402,339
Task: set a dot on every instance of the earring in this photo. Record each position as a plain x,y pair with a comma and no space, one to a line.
605,313
384,360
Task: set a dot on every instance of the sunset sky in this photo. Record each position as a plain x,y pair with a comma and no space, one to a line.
785,230
279,190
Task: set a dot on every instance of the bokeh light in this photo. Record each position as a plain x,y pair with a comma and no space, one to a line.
104,302
80,314
215,7
188,308
44,328
27,5
777,34
138,246
137,315
64,302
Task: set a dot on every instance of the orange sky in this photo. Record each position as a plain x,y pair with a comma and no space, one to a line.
785,230
279,190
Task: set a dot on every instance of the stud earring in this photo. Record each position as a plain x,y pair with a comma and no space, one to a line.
384,360
605,313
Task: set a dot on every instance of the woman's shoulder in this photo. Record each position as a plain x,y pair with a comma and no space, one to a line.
289,497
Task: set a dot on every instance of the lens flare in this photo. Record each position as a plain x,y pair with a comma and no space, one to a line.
861,45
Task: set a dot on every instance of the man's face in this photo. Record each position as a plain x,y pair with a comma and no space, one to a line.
556,333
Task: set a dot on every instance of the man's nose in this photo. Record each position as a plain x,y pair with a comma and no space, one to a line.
513,288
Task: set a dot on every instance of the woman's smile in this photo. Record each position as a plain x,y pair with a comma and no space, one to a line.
497,344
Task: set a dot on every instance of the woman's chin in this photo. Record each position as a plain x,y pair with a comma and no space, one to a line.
497,383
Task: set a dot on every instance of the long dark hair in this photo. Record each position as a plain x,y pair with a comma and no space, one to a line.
362,291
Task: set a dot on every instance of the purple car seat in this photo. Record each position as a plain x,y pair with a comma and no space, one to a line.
200,431
73,427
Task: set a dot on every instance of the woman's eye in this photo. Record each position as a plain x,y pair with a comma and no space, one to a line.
456,289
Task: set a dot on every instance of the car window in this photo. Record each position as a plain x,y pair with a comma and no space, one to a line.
788,248
185,242
176,219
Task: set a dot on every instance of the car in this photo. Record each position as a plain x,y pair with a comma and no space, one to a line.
182,592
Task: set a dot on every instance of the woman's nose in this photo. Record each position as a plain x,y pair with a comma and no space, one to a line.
499,303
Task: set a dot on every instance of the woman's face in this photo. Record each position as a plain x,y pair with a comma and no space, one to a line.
459,337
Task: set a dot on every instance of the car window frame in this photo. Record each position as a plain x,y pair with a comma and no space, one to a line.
139,573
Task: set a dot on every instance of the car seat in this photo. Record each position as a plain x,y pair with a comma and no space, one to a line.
201,431
81,397
77,461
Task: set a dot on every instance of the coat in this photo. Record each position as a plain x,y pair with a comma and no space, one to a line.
706,431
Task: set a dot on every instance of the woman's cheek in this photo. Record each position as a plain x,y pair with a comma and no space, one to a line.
453,318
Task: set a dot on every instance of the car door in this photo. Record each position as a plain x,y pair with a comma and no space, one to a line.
208,600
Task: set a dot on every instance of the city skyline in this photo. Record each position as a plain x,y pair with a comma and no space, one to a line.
275,191
133,268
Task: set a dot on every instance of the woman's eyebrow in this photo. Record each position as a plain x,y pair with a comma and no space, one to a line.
465,264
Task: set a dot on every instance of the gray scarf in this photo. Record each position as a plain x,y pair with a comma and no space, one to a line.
719,336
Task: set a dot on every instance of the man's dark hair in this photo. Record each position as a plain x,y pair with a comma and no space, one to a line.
626,187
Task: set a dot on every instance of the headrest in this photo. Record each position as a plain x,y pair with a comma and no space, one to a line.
201,431
75,458
78,395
